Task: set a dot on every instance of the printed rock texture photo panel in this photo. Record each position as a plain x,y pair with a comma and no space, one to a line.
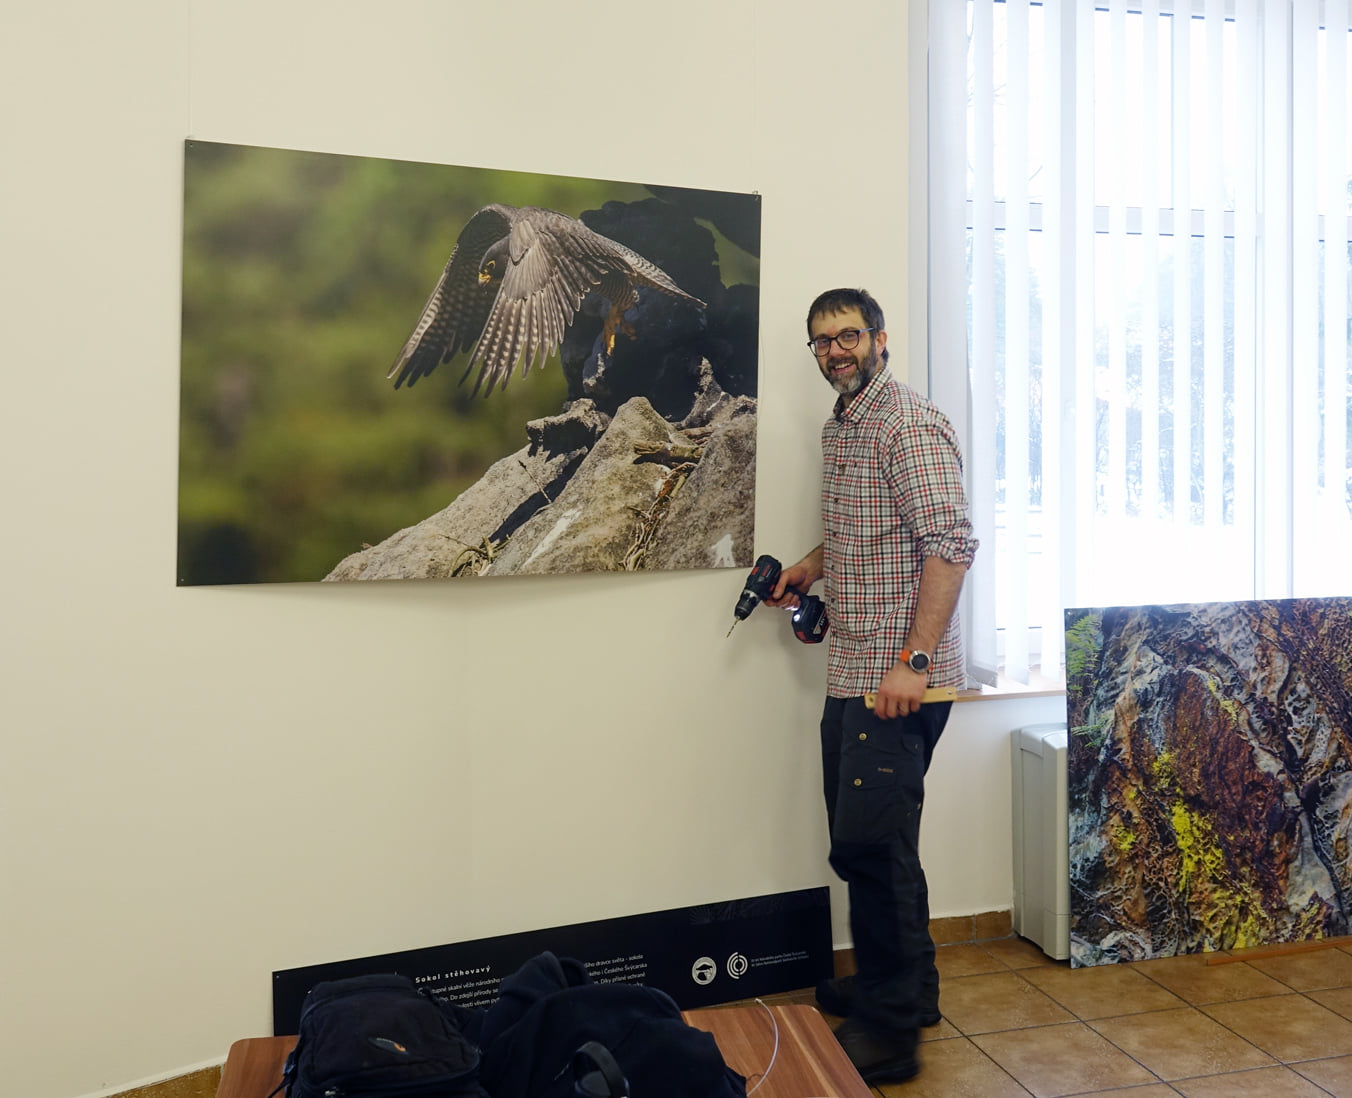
1209,776
395,370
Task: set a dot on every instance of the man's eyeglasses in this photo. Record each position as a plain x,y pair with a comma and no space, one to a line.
848,340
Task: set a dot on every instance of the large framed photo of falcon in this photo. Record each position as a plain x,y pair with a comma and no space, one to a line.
398,370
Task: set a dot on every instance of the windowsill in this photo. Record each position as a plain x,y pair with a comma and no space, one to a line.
1038,686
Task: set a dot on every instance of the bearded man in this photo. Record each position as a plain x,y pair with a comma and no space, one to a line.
896,545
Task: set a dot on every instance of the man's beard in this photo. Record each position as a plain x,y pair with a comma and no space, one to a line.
850,384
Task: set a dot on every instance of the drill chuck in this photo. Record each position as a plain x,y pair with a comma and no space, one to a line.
759,585
748,602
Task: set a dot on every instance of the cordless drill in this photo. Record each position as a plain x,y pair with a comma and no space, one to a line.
809,616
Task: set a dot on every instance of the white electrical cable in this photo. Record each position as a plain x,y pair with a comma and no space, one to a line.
774,1053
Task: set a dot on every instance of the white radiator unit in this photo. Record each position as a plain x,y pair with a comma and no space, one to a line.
1041,838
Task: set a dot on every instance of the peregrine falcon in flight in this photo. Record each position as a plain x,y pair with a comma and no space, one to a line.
514,282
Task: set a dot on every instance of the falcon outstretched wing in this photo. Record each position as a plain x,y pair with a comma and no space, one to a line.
455,312
513,284
549,263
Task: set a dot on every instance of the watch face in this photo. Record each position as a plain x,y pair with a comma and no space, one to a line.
919,661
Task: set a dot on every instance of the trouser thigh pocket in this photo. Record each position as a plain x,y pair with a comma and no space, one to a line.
880,783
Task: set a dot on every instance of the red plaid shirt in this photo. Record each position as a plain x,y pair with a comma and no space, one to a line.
891,496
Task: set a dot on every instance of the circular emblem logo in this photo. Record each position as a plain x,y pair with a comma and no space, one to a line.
737,966
703,971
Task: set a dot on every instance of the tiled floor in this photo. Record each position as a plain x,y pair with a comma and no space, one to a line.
1017,1023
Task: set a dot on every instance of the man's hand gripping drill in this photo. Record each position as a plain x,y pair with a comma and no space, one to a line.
774,585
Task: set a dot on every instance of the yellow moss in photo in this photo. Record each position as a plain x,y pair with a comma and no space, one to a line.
1228,705
1229,916
1123,838
1253,932
1200,855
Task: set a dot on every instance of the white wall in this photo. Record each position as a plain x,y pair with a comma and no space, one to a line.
200,786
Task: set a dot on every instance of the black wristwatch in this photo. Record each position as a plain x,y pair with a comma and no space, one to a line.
916,660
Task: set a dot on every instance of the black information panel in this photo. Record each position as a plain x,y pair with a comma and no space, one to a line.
700,956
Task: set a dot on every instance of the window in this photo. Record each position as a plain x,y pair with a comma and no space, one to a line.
1138,223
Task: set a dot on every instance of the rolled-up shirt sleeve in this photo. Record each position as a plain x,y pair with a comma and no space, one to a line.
925,472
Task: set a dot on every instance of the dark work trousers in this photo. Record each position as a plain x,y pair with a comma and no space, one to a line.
873,775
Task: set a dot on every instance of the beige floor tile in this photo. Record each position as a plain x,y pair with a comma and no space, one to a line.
1274,1082
965,960
1334,1075
1102,991
956,1069
1180,1044
1312,971
1338,1000
1019,953
1014,1017
1195,981
997,1000
1062,1059
942,1032
1289,1027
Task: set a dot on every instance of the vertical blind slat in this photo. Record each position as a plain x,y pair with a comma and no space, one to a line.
1111,193
1081,510
1017,487
1055,339
1246,266
1305,253
1274,501
946,327
1212,85
1150,260
1180,441
982,291
1333,141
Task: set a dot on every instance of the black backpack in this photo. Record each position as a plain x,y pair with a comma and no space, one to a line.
378,1036
554,1033
595,1074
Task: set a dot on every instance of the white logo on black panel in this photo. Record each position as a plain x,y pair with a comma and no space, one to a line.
737,966
704,970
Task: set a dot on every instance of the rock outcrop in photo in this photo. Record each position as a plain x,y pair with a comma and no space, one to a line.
1210,776
591,493
652,462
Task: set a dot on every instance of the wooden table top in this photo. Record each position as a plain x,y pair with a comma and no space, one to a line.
807,1063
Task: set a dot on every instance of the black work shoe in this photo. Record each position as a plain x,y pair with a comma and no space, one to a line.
837,997
878,1059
